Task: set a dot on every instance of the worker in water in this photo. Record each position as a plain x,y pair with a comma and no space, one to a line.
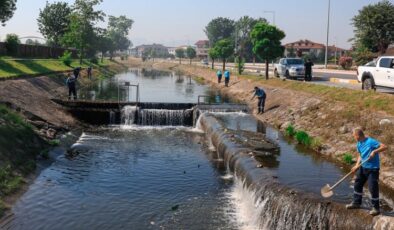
71,84
226,78
368,149
219,76
261,95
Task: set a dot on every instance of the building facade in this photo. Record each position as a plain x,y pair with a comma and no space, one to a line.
158,49
202,48
307,47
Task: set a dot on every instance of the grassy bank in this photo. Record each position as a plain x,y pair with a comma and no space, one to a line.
19,146
10,68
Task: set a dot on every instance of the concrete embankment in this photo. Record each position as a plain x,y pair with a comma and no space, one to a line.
276,206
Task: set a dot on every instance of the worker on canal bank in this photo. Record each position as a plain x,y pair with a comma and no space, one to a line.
308,70
89,71
368,149
71,84
261,95
226,78
76,72
219,76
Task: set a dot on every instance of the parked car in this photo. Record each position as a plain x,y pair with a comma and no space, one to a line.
290,68
377,74
204,62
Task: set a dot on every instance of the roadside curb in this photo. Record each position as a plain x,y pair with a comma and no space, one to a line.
346,81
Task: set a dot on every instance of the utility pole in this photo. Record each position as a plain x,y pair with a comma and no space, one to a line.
328,32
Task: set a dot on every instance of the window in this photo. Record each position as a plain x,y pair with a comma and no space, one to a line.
385,63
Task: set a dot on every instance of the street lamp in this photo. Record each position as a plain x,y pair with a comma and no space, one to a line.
273,15
328,31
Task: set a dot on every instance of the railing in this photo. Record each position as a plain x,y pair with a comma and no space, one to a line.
128,85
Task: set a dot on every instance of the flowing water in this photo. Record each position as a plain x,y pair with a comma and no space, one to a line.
144,174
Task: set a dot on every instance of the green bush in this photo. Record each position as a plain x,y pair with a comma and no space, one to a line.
66,58
240,64
347,158
303,138
94,60
11,44
290,130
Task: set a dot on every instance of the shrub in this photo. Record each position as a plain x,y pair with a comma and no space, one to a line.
11,44
362,56
240,64
94,60
316,144
347,158
290,130
303,138
66,58
346,62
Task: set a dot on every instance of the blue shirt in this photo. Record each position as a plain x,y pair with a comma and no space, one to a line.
259,92
226,74
365,149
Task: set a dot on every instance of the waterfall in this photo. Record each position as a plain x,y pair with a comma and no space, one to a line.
164,117
129,114
112,118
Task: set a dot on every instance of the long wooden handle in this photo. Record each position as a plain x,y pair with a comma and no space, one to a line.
347,175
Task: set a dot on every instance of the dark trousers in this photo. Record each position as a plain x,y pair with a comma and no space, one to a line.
261,104
219,79
226,81
72,91
372,176
308,75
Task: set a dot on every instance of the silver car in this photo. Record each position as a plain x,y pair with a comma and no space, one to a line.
290,68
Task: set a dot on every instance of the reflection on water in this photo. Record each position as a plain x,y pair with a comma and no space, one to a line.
154,86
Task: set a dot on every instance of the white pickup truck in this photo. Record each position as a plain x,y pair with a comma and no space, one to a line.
377,74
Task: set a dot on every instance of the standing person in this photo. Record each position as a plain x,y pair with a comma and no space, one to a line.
219,75
89,70
71,83
226,77
369,150
76,72
308,70
261,95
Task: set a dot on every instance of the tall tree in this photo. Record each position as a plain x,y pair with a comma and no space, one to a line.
82,32
7,8
53,21
224,49
118,30
213,54
180,53
266,40
103,43
218,29
11,44
243,28
374,26
191,53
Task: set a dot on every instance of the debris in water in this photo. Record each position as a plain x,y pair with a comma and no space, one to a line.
174,208
152,223
198,166
275,177
184,172
260,166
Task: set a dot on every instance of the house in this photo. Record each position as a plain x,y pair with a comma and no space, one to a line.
158,49
303,47
202,48
171,50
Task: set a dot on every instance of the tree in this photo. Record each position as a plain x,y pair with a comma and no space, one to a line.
53,21
266,40
213,54
7,8
191,53
11,44
218,29
82,33
374,26
103,43
224,49
180,53
118,30
243,28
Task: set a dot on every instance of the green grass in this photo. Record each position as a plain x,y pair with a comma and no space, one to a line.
13,67
303,137
290,130
347,158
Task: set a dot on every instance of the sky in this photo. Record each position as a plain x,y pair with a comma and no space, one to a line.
182,22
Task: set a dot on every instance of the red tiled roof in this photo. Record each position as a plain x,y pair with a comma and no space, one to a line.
202,42
305,44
